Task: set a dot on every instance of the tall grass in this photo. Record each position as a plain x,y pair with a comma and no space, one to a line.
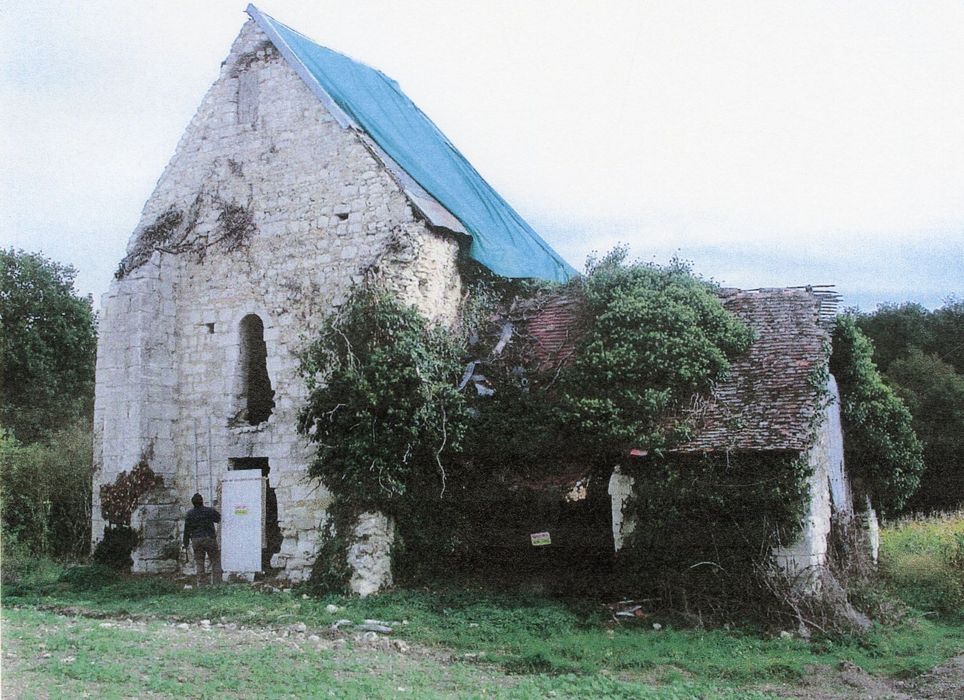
922,563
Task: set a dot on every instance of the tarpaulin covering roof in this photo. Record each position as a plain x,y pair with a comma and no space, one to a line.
374,103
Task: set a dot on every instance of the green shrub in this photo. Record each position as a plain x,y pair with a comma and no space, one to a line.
705,527
114,549
20,568
653,336
88,577
384,411
45,491
383,405
882,453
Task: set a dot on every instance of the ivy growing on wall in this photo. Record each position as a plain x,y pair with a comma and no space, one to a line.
383,400
117,504
398,429
881,450
705,525
118,500
176,232
384,412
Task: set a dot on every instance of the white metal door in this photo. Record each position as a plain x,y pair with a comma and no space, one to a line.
242,520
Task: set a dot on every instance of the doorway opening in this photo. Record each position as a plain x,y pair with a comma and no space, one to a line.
271,543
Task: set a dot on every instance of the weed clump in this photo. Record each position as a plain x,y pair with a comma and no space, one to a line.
114,550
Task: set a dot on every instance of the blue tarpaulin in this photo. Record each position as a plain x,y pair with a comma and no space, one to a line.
501,239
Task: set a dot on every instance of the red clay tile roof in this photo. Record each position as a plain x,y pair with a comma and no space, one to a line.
553,331
767,402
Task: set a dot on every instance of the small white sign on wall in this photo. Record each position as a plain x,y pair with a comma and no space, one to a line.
242,520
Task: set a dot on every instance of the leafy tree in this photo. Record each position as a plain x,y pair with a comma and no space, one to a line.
47,346
921,353
898,329
949,333
895,329
934,393
881,450
653,337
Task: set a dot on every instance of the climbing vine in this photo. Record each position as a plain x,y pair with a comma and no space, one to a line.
412,419
118,500
117,504
382,403
881,450
383,410
706,523
175,232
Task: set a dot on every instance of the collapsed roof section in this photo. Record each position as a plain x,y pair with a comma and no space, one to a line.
768,401
438,180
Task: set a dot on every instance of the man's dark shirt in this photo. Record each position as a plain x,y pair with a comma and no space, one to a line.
200,523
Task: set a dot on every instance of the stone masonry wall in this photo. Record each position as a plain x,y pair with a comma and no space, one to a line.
135,395
326,214
803,559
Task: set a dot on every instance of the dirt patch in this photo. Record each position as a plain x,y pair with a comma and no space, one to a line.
945,681
850,682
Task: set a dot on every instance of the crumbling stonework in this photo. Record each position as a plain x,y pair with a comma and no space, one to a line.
370,553
804,559
320,214
871,531
620,492
156,522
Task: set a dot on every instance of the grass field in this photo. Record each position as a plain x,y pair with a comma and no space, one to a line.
922,563
76,631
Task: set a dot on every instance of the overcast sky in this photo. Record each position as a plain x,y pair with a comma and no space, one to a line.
770,143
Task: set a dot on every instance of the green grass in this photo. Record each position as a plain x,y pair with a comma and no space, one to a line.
525,634
922,563
522,646
67,657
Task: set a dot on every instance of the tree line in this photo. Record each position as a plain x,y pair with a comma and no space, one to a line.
921,355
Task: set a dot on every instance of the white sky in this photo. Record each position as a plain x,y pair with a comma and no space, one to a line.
771,143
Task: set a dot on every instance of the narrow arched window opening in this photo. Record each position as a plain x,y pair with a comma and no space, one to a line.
257,396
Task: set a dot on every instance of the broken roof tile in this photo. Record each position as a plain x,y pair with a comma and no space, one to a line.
768,401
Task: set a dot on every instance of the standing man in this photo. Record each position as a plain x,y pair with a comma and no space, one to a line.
199,529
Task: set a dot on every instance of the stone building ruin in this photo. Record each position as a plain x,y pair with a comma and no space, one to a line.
777,400
302,174
289,185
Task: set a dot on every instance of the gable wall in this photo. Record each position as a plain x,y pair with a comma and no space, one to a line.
326,213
